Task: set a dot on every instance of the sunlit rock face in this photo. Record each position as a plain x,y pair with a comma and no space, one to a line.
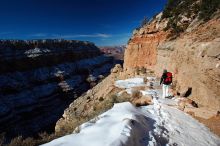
39,78
141,50
192,57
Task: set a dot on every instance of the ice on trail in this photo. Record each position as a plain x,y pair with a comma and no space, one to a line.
154,125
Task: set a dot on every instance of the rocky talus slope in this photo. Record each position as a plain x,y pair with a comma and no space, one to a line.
39,79
193,56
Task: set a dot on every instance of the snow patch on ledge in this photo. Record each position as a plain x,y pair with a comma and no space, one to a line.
153,125
32,53
129,83
133,82
127,125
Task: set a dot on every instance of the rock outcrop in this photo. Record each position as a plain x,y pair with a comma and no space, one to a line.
39,79
93,102
193,55
141,50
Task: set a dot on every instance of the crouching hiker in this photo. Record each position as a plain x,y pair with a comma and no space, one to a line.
166,80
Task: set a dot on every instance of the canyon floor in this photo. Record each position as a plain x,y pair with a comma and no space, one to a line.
160,123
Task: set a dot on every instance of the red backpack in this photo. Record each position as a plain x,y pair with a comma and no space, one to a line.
168,79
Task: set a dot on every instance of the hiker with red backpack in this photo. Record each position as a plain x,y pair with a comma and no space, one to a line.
166,80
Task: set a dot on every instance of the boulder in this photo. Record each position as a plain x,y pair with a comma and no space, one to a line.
117,69
91,78
143,101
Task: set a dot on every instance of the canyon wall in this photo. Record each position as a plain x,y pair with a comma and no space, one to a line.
193,56
40,78
141,50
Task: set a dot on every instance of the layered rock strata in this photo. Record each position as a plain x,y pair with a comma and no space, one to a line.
193,56
40,78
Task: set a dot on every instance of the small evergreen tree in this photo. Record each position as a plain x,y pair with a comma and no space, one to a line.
207,8
170,8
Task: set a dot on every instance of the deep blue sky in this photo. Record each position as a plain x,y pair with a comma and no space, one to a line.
104,22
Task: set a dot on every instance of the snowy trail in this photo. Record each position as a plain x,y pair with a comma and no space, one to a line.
154,125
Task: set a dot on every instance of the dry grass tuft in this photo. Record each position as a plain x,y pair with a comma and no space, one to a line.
143,70
145,80
143,101
136,94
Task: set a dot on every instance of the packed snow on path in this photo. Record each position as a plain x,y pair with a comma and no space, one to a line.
133,82
126,125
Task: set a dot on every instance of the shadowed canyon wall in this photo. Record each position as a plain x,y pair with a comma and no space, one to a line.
40,78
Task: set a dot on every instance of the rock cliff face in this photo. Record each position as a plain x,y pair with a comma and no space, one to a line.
193,56
39,79
142,47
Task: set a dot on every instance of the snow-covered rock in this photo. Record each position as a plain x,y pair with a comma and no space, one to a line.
36,52
155,125
126,125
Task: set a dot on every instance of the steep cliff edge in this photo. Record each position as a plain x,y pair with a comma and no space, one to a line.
190,48
40,78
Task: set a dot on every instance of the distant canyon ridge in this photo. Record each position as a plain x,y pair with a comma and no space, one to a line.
40,78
